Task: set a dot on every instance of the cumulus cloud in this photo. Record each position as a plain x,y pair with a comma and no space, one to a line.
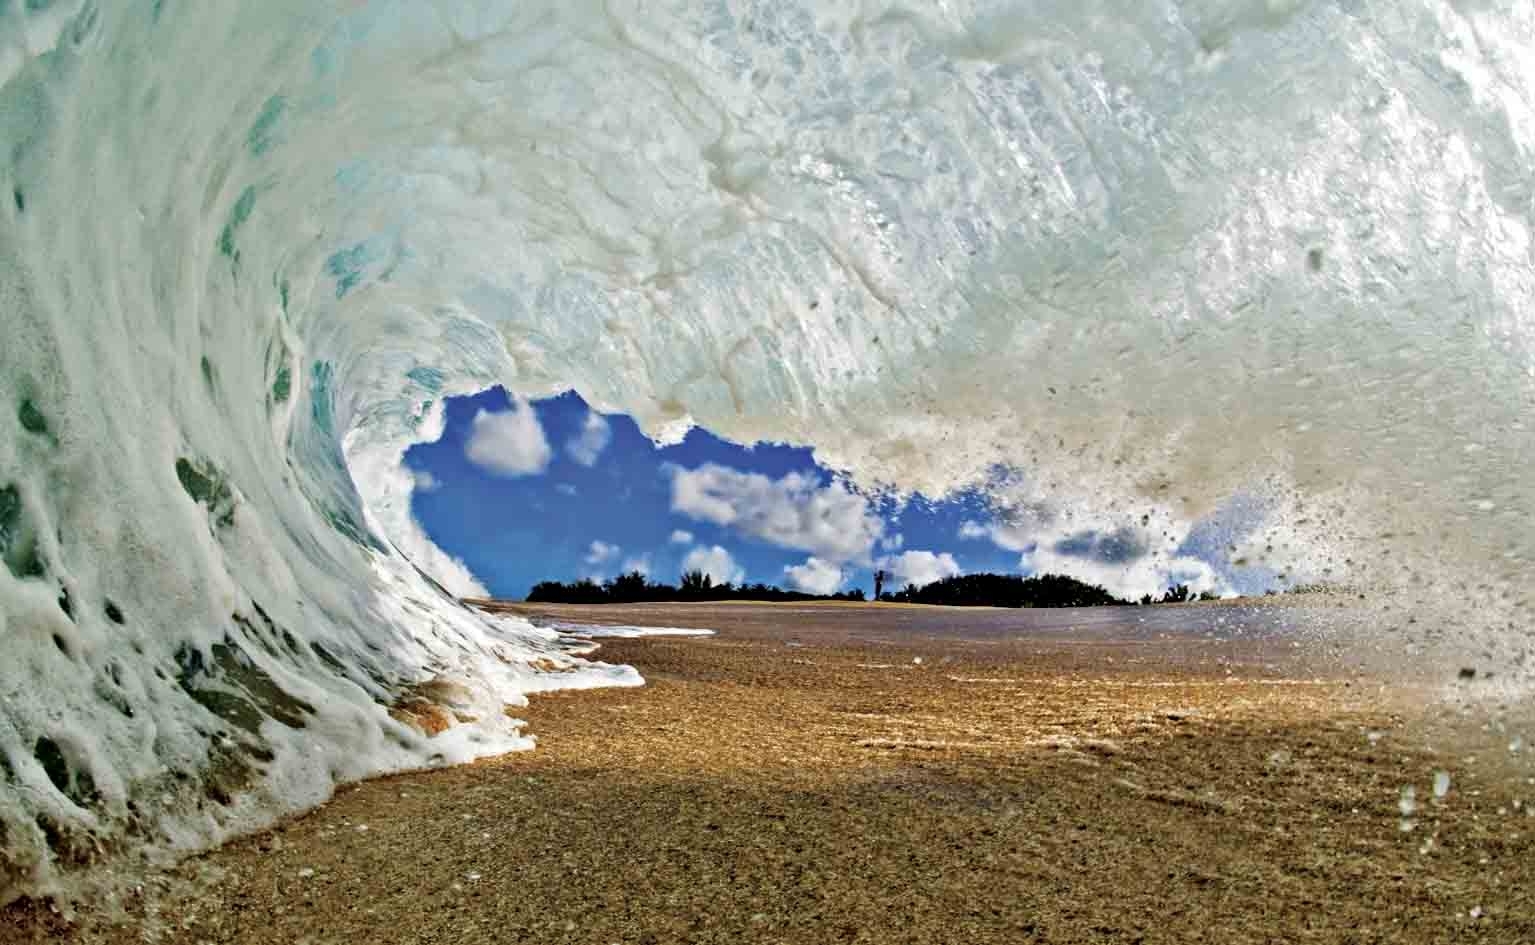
423,481
1131,551
815,576
640,563
682,537
715,562
1122,545
1008,536
509,442
971,530
795,512
594,437
1130,578
920,567
1129,558
600,552
892,542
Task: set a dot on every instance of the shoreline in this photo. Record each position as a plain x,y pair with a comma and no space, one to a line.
786,781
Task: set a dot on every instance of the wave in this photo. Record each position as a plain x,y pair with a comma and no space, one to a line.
1150,258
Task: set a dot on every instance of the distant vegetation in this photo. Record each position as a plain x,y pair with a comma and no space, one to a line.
1178,594
1007,590
634,588
966,590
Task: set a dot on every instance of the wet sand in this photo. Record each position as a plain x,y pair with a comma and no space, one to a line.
890,775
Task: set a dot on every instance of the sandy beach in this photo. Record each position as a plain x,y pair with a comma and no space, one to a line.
857,773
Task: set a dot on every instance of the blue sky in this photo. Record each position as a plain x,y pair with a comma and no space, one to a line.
549,490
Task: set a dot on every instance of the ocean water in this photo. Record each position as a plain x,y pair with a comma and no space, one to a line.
1147,255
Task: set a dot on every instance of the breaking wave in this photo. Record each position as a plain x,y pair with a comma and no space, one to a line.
1147,256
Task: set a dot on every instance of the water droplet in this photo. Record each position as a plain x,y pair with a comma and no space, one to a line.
1441,784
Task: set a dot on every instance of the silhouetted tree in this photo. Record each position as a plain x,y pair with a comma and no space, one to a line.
627,588
879,582
696,583
1007,590
1178,594
584,591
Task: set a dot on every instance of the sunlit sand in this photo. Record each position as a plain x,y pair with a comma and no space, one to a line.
871,774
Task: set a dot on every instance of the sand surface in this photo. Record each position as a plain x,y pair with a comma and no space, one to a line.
891,775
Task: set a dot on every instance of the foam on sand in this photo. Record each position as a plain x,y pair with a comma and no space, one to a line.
596,631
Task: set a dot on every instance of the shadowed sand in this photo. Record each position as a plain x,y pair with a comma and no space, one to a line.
819,774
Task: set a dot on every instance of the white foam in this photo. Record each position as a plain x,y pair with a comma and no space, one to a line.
596,631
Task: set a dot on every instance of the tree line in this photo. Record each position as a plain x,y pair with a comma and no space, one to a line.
965,590
1007,590
635,588
1178,594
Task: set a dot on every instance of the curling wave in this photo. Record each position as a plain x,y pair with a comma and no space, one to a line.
1147,257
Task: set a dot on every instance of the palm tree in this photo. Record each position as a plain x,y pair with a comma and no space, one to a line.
696,583
627,587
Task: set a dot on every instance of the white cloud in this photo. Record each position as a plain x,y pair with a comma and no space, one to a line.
1127,559
1128,551
815,576
600,551
920,567
681,537
565,488
892,542
1150,574
509,443
585,447
715,562
640,563
424,481
1011,537
793,512
1128,562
